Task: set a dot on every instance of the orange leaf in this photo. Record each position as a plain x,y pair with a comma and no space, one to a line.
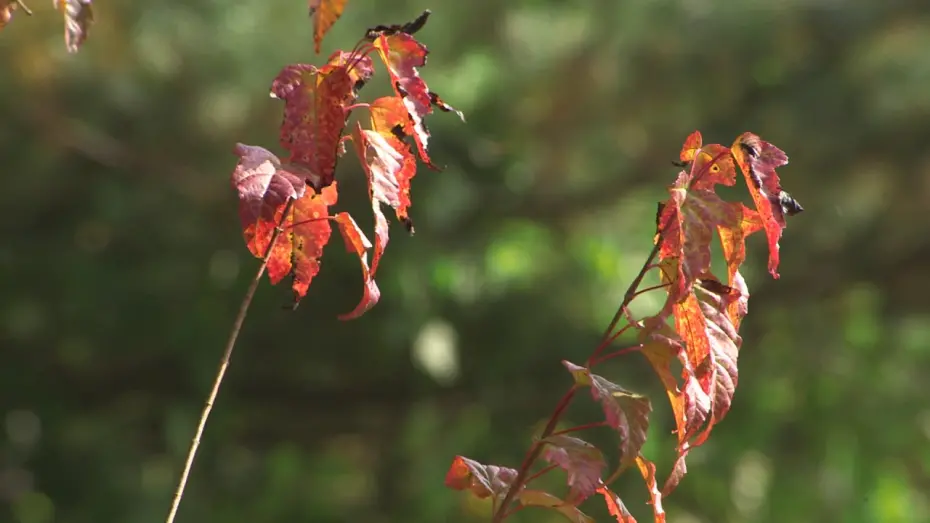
481,480
324,13
758,160
357,243
315,104
648,470
403,55
615,506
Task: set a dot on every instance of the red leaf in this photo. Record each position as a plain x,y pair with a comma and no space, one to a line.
78,16
481,480
742,223
359,67
710,164
357,243
403,55
712,346
582,462
758,160
626,412
689,218
315,103
615,506
264,185
648,470
539,498
324,13
6,11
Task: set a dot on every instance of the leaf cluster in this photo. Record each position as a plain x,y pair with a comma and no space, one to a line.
296,194
695,332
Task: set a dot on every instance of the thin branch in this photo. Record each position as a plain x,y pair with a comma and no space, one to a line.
224,364
23,7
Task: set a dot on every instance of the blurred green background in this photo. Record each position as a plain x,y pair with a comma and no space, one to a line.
123,264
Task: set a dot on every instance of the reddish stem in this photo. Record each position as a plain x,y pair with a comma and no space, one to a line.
578,428
358,106
647,289
614,354
606,343
539,474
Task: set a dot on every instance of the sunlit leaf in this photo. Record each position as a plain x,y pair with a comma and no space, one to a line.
324,13
315,104
648,470
758,160
615,506
78,16
357,243
481,480
403,56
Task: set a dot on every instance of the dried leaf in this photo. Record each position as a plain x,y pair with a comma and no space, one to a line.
648,470
615,506
582,462
357,243
758,160
403,56
6,11
324,13
539,498
315,103
409,27
481,480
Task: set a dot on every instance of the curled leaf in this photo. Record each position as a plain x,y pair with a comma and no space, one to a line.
758,160
409,27
78,16
615,506
648,470
357,243
481,480
403,56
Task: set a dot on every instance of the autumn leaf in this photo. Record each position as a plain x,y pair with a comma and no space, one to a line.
403,56
315,111
758,160
688,219
625,412
389,171
582,462
357,243
264,184
6,11
710,164
358,65
409,27
78,16
741,223
615,506
481,480
539,498
324,13
648,470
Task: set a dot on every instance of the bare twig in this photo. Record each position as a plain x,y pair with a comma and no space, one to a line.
23,7
224,364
